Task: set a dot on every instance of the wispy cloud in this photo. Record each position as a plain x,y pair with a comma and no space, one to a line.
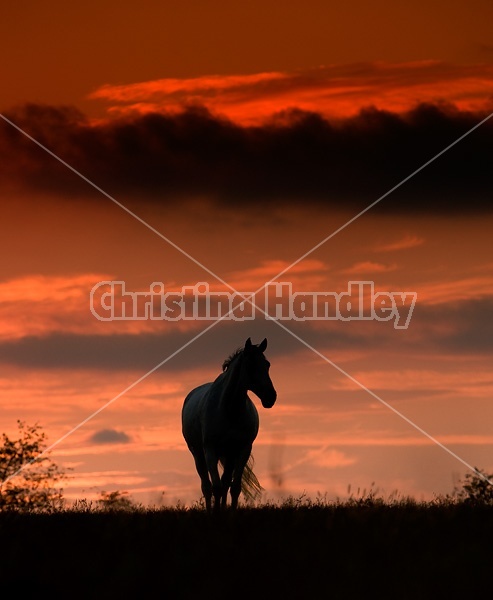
408,241
422,382
48,305
452,291
308,274
332,90
43,304
369,267
329,458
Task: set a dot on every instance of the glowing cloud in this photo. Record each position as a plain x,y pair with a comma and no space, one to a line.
331,90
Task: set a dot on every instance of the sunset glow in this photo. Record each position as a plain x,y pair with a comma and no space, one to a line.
233,167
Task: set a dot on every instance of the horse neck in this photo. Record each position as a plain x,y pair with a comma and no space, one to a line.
234,392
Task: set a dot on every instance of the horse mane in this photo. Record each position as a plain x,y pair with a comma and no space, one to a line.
231,358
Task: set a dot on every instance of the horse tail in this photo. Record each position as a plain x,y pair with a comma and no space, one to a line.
250,485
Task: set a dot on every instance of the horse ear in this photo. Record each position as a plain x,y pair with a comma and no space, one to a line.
263,345
248,344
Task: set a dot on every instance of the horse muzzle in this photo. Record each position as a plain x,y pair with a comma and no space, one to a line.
268,400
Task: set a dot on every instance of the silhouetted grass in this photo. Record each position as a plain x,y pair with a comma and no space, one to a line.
298,549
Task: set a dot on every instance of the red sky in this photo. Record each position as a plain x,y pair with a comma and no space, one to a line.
236,132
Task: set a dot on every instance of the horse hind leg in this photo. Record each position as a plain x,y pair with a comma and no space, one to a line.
211,460
206,486
226,479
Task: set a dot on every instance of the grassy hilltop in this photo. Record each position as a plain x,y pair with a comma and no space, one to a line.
298,549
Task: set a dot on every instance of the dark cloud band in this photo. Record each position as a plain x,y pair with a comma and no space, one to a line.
297,158
457,329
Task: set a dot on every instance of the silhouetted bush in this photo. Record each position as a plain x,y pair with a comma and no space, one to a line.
28,479
477,488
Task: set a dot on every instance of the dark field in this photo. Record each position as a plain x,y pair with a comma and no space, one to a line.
325,551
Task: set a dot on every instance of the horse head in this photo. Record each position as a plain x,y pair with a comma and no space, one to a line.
257,372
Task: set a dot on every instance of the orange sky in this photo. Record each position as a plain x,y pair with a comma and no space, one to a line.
246,189
59,54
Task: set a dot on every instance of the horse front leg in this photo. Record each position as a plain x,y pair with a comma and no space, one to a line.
238,475
211,459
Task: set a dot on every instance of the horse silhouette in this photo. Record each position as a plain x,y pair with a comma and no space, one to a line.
220,423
